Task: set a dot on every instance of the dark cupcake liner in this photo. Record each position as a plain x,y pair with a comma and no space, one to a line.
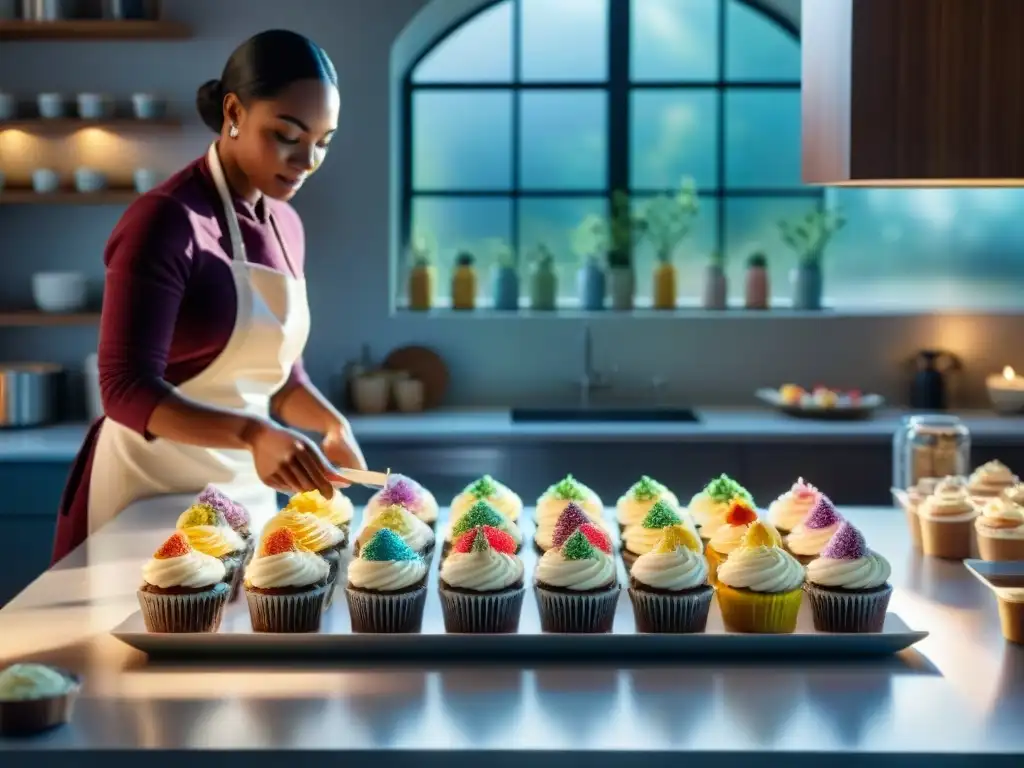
482,612
291,613
386,612
839,611
192,612
671,613
582,613
26,717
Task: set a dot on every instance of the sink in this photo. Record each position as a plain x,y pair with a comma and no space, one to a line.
641,414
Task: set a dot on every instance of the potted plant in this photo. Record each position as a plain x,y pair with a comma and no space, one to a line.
624,230
808,237
464,281
543,280
715,287
755,294
590,242
505,281
667,223
421,274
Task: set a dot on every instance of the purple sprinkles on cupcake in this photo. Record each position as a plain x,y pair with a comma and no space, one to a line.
822,515
400,491
847,544
234,514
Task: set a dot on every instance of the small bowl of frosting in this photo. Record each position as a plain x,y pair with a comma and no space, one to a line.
35,698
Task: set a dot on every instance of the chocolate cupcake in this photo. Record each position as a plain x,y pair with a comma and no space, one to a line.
405,491
35,698
286,587
414,532
577,585
208,532
481,583
387,589
806,541
708,507
183,590
481,513
668,586
312,534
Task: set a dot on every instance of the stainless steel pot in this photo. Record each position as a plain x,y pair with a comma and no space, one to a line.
28,394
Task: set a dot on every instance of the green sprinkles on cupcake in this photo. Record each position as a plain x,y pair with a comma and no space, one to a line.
386,546
647,489
483,488
479,514
578,547
661,515
568,489
724,489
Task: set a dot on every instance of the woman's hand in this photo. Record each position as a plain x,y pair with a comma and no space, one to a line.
341,448
287,461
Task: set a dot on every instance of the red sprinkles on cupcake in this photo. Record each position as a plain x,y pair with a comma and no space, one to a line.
596,537
740,513
176,546
496,539
278,542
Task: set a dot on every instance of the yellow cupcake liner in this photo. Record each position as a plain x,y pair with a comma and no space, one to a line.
758,613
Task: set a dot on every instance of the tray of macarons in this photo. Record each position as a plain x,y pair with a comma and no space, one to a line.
820,402
491,579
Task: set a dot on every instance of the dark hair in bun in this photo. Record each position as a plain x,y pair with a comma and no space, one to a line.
262,67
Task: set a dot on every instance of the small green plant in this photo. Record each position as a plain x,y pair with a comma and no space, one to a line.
625,228
669,219
757,261
590,238
421,250
464,259
809,235
542,257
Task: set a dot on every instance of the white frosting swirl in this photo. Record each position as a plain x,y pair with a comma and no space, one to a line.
639,540
674,571
1015,493
868,572
485,571
584,575
1001,519
417,534
727,537
504,500
991,477
632,511
809,542
22,682
708,513
761,569
386,575
193,570
790,509
286,569
952,505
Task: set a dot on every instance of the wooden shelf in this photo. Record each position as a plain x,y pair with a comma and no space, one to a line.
18,196
27,318
62,124
93,29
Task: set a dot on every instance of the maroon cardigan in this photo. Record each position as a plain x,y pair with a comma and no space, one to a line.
169,307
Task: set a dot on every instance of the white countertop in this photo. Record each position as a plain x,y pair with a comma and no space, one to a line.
61,443
957,696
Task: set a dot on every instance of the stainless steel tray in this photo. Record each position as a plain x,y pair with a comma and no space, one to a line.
237,640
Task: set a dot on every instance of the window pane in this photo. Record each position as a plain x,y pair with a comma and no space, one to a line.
551,222
674,40
564,41
752,225
673,134
462,140
762,145
928,249
690,258
757,48
480,51
452,224
564,140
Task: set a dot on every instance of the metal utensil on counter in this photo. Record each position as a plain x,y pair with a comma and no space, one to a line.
930,445
28,394
365,477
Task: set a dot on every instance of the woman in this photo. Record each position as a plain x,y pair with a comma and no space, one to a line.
204,310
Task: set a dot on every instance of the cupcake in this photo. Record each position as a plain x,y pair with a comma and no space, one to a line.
1015,493
991,479
760,586
183,589
708,508
337,510
914,496
848,585
947,521
731,533
790,509
387,589
809,538
576,584
640,539
208,532
414,532
235,515
286,586
633,506
494,493
668,586
313,534
481,513
35,698
404,490
553,501
481,583
1000,530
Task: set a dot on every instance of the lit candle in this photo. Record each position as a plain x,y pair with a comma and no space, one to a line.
1006,391
1009,380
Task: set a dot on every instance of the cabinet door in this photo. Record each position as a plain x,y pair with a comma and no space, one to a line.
28,515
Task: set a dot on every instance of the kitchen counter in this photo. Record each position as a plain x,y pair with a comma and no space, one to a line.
466,425
954,699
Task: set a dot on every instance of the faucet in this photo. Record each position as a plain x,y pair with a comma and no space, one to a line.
590,380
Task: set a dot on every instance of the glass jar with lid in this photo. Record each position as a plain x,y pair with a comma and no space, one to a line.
930,445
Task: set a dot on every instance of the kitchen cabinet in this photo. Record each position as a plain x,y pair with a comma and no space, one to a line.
28,514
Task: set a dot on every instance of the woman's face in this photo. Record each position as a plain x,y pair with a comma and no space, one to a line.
283,140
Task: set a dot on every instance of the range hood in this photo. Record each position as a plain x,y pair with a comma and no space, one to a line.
913,93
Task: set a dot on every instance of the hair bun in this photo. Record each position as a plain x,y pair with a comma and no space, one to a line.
210,104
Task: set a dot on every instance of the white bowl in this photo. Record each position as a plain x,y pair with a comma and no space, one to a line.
45,180
51,105
60,291
94,106
90,180
145,179
1005,399
147,106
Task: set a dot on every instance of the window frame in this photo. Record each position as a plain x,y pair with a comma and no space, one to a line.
619,86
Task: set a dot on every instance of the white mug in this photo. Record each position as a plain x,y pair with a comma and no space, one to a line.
145,179
51,105
409,395
371,393
93,106
147,106
90,180
8,106
45,180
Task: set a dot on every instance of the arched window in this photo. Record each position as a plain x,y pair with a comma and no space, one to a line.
523,118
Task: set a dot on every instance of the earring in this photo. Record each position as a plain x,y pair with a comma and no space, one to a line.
233,133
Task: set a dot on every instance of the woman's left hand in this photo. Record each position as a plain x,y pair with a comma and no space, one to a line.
341,449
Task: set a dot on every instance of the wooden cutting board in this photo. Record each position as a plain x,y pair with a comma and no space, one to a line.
425,365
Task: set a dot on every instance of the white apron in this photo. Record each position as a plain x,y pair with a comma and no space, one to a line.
271,329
